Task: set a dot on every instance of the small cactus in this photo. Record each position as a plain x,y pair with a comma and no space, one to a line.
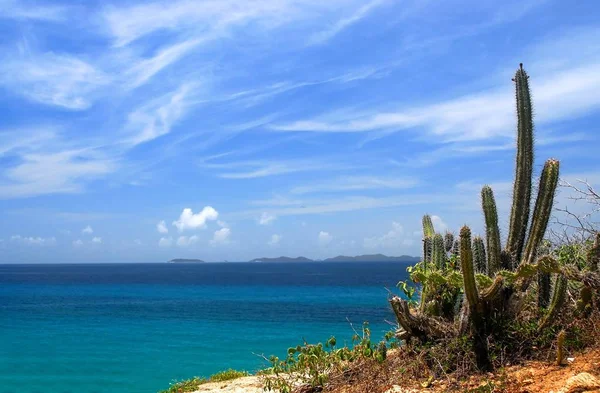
560,347
479,255
492,231
448,241
439,254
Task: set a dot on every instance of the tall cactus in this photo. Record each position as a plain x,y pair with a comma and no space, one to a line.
492,230
558,299
428,230
479,255
519,215
428,233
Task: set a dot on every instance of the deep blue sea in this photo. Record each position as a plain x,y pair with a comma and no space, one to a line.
129,328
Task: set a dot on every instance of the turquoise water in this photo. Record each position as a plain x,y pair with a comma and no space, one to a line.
135,328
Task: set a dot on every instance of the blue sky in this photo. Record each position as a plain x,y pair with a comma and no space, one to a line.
232,129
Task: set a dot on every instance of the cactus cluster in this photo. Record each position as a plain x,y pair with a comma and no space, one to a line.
490,275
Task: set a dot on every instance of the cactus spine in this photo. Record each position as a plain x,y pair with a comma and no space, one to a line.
490,213
439,254
542,210
479,255
519,215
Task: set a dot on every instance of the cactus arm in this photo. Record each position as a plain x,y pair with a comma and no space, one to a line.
544,289
466,262
558,299
493,290
542,210
519,215
492,230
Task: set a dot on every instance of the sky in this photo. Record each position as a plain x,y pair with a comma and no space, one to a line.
139,131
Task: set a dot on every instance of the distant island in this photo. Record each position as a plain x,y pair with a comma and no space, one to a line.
343,258
182,260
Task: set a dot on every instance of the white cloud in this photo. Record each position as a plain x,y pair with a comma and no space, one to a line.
147,68
189,220
222,224
52,173
344,23
157,117
165,242
184,241
266,218
161,227
221,236
559,95
324,238
77,243
12,9
52,79
97,240
33,241
275,239
391,239
137,242
439,224
356,183
87,230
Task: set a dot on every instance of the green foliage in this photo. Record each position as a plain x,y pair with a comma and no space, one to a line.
227,375
314,365
192,384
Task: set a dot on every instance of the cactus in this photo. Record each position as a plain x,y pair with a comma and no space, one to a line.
491,229
476,304
519,215
479,255
558,298
593,255
439,253
560,347
542,210
544,290
448,241
428,230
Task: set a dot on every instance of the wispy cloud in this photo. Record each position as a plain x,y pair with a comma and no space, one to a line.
266,218
51,78
21,10
157,117
50,173
344,23
221,236
33,241
356,183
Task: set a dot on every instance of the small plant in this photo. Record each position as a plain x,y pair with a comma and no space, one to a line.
192,384
313,365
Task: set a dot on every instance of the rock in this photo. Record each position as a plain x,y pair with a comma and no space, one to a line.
579,383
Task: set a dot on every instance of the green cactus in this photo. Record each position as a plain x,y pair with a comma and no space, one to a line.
519,215
558,299
492,231
560,347
544,289
428,230
542,210
476,304
448,241
439,253
479,255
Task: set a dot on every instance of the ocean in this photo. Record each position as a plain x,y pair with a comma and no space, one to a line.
136,328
